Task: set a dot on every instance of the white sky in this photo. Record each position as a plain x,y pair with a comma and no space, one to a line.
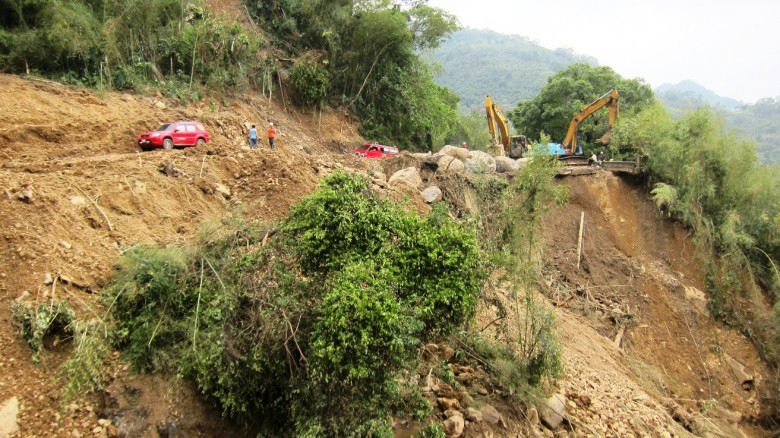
731,47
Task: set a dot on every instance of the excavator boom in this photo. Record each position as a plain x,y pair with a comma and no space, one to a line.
610,99
500,141
497,125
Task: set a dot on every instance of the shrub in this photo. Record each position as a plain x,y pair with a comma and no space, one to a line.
316,324
38,321
310,83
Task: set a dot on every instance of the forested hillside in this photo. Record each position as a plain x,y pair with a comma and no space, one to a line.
509,68
759,121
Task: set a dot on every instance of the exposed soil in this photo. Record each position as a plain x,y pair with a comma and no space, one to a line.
642,272
77,193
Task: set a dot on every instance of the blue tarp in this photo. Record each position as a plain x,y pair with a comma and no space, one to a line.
555,149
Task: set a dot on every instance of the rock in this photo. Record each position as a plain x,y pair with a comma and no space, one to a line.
446,391
480,162
79,284
455,152
78,201
452,412
448,164
532,416
465,378
420,155
506,165
65,244
446,353
473,415
409,175
448,403
222,190
743,378
159,105
48,279
431,194
9,413
26,195
23,296
205,186
490,414
453,426
553,410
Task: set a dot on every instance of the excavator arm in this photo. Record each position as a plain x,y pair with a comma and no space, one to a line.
610,99
497,125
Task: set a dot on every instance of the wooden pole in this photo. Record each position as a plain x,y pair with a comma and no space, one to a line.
579,240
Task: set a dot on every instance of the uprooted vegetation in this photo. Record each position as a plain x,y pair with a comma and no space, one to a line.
322,318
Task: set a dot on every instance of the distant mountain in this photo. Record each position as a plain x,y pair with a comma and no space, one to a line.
759,122
687,95
509,68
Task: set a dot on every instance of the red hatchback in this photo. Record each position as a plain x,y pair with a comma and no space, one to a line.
374,150
169,135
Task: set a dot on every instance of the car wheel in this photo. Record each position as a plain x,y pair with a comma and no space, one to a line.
200,142
168,144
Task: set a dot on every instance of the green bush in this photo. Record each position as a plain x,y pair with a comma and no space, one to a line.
316,324
38,321
310,83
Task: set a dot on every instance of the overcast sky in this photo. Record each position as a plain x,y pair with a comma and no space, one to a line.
731,47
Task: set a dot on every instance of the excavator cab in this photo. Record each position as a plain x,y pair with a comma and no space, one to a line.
519,146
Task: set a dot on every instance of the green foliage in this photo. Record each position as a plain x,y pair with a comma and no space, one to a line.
85,370
369,50
315,325
126,44
38,321
310,83
568,92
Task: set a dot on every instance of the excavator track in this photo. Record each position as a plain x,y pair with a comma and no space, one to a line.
573,160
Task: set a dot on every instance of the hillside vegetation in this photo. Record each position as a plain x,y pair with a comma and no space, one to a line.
305,292
509,68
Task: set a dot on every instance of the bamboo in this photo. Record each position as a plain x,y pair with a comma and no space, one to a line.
579,240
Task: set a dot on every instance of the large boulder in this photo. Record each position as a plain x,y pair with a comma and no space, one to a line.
409,177
431,194
553,410
453,426
506,165
449,164
480,162
452,151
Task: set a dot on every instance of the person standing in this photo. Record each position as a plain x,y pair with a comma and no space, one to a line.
601,158
253,137
271,135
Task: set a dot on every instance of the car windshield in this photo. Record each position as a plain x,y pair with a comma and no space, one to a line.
364,147
164,127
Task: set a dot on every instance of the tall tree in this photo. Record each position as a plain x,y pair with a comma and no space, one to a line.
568,92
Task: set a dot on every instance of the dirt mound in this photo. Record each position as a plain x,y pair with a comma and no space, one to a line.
639,285
77,192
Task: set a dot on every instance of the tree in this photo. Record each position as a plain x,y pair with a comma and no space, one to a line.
567,92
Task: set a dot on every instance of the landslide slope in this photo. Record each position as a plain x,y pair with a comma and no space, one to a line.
639,286
77,193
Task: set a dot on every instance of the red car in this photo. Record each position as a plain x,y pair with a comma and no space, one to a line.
169,135
375,150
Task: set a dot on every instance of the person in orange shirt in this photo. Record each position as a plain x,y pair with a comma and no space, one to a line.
271,135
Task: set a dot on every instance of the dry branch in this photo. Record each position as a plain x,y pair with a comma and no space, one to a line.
100,210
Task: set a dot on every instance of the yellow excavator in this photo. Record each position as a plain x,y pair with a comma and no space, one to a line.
570,143
501,142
